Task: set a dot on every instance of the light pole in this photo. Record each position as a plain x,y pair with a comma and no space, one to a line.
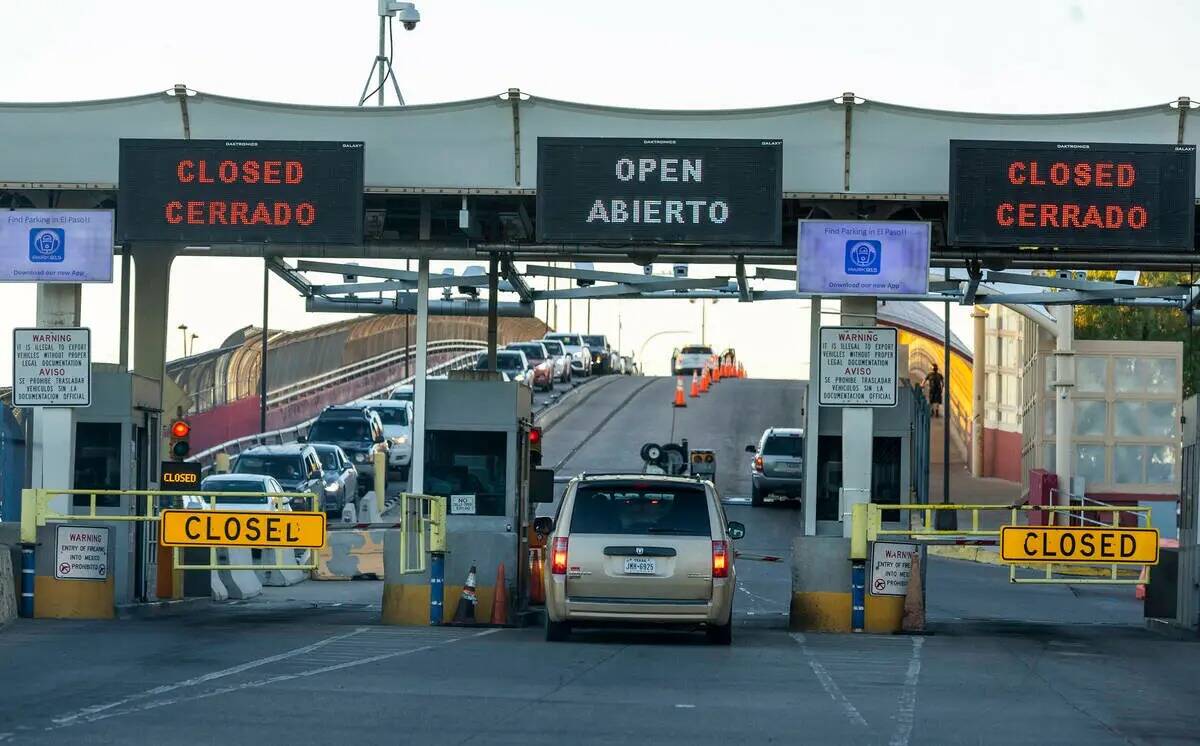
409,18
192,345
183,328
642,351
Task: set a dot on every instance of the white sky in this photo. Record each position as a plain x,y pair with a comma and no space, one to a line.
1019,56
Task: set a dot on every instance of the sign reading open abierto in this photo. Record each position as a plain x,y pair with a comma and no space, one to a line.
701,191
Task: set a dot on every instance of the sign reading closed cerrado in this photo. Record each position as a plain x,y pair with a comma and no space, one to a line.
625,190
212,528
1072,195
240,191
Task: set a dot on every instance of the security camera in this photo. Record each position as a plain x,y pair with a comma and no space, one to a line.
407,12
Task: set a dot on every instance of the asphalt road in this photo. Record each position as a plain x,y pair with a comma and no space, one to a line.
310,664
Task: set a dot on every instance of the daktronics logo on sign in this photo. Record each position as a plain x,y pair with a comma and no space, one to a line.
1072,195
235,191
616,190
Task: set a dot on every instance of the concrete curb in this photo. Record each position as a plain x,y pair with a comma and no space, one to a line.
991,556
548,416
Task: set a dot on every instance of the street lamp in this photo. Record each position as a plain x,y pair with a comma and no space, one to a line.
642,352
183,328
192,346
409,18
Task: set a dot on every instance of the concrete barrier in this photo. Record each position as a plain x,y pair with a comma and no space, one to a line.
291,575
406,597
351,553
238,583
821,599
8,587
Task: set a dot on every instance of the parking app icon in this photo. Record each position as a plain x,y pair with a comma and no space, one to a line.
863,257
47,244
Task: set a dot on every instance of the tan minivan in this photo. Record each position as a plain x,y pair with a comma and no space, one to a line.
640,549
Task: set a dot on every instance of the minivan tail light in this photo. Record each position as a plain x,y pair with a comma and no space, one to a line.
758,463
558,559
720,559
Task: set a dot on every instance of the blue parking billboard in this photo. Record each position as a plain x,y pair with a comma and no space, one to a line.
862,257
56,246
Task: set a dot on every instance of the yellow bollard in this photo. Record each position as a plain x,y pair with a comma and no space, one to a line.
437,525
28,516
858,531
380,479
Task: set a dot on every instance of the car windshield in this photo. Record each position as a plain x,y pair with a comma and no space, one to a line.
340,431
697,350
329,459
239,485
532,352
641,509
285,468
393,415
402,396
784,445
553,346
594,340
569,339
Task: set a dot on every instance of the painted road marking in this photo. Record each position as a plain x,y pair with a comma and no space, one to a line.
907,713
829,685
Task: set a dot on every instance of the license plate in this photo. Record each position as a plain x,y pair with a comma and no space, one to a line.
639,566
786,466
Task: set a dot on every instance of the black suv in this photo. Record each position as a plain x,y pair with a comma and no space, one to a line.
357,430
295,466
601,353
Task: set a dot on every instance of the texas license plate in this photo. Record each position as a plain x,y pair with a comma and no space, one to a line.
639,566
787,466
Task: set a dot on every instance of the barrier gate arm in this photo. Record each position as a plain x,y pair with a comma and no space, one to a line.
869,529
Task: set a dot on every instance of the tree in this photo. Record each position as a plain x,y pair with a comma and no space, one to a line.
1146,324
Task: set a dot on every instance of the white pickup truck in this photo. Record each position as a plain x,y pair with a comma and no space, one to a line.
690,358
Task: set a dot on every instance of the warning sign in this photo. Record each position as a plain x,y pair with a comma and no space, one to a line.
81,553
857,367
52,367
891,564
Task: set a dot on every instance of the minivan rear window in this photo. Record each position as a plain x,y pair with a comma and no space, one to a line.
652,509
784,445
697,350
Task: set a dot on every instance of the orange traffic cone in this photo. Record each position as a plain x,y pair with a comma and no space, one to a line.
716,377
741,371
679,400
695,386
704,382
465,613
500,598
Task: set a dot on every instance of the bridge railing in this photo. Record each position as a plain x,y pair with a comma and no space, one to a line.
290,434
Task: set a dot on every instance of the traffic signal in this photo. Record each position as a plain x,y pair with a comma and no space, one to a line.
535,446
180,430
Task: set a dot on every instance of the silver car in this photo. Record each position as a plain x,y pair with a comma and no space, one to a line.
778,464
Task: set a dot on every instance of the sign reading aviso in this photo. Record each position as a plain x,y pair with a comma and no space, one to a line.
1072,195
618,190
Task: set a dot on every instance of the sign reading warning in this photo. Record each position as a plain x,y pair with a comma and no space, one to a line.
52,367
1072,195
857,367
221,528
1135,546
240,191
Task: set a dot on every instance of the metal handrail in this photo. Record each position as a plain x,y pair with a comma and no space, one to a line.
289,434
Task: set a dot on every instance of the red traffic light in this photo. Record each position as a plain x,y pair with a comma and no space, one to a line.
535,436
180,429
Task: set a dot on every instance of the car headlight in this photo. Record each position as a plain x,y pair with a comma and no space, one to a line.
401,439
360,458
331,487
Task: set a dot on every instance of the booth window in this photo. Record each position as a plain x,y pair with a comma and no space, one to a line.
463,462
97,462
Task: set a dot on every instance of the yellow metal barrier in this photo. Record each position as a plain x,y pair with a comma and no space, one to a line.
36,512
421,515
872,528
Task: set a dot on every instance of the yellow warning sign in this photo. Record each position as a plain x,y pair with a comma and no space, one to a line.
1135,546
220,528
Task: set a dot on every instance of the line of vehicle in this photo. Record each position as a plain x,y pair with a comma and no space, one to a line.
603,421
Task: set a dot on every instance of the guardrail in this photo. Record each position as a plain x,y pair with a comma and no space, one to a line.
872,529
290,434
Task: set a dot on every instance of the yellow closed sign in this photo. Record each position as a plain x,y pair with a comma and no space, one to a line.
220,528
1134,546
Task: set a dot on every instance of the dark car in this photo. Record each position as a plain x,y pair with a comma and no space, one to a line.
778,464
295,466
341,478
597,344
356,430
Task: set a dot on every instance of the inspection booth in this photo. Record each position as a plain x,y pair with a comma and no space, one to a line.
114,446
477,456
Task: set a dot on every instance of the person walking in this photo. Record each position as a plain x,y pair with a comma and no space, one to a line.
936,383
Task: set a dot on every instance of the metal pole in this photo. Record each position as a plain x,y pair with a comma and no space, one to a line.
946,520
417,483
262,380
1064,412
407,321
978,381
493,291
124,352
381,59
589,315
812,416
703,322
